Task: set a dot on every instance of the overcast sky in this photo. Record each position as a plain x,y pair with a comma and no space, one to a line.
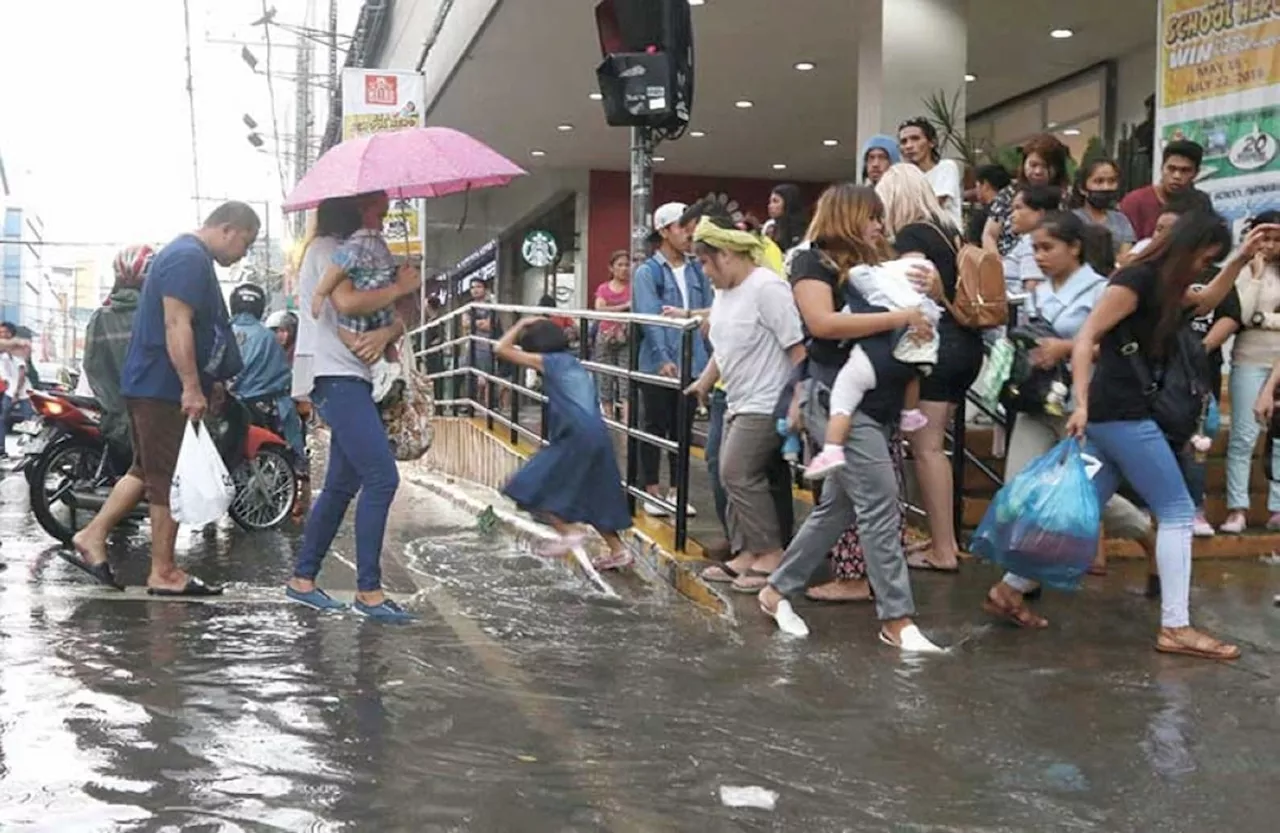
94,127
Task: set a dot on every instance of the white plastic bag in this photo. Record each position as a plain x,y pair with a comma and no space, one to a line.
202,490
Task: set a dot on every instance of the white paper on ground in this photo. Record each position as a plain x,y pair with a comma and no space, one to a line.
756,797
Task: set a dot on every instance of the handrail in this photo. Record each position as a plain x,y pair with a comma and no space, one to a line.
453,363
591,315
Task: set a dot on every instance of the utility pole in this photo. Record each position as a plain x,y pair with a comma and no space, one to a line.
642,146
302,111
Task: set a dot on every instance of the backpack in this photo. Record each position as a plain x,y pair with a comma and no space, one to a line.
980,299
1175,389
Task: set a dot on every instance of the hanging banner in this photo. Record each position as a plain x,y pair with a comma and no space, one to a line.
1219,86
376,101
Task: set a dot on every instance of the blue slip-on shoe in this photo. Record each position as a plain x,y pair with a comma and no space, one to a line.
388,611
316,599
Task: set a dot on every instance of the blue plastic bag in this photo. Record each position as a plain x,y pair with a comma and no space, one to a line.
1044,524
1212,419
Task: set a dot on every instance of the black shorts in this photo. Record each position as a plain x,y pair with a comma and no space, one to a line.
960,355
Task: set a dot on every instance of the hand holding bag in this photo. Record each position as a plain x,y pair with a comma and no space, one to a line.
201,491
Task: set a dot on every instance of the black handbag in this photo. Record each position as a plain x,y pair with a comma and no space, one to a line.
1028,387
1177,388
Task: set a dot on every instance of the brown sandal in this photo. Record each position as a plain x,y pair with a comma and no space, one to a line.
1018,614
1193,643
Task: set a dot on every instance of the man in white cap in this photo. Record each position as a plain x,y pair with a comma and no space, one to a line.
670,278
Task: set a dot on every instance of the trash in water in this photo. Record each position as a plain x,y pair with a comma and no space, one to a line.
526,759
757,797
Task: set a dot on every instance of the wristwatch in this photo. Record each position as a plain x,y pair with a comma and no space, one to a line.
1258,319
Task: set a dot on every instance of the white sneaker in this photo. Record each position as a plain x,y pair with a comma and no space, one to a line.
653,510
1235,524
1201,528
912,641
689,510
788,621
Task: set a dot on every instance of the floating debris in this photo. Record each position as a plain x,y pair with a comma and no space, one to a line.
487,520
755,797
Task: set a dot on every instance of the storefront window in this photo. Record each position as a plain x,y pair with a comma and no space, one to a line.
1072,110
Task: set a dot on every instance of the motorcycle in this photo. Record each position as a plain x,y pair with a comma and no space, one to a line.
71,467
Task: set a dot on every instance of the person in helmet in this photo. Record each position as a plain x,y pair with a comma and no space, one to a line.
106,341
266,380
284,325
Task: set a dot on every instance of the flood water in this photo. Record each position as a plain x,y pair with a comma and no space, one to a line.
525,702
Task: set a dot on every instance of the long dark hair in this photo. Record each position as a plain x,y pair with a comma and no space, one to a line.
1082,180
1173,257
1095,244
788,230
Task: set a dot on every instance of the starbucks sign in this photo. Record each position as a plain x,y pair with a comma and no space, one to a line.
539,249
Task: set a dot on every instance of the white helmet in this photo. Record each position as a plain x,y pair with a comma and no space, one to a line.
282,319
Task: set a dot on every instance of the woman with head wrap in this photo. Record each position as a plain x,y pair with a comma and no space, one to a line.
757,339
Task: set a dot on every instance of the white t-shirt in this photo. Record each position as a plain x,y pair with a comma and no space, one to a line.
682,281
945,179
752,327
320,351
9,373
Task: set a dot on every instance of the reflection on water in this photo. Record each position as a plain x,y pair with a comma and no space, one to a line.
525,702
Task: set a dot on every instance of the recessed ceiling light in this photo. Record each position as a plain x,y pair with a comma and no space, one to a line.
744,104
779,166
805,66
1071,131
596,97
538,153
1061,33
831,142
564,128
696,2
697,134
969,76
659,159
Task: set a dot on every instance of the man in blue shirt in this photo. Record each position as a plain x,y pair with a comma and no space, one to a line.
182,345
670,278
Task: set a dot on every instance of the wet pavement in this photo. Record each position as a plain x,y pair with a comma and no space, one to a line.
524,702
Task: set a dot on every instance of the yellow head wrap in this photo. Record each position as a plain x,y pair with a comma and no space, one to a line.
742,242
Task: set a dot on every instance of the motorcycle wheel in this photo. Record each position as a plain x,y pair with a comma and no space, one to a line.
70,465
266,488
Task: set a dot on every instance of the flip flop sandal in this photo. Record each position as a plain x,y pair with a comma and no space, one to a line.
1220,651
750,582
194,588
100,573
925,565
1020,616
920,546
719,574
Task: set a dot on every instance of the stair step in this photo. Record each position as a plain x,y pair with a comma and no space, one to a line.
1215,509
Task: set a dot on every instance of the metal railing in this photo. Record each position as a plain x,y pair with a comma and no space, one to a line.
450,362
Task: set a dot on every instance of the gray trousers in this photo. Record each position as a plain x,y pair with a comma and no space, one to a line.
750,445
868,486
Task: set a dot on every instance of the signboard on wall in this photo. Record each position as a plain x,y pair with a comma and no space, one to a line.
1219,86
376,101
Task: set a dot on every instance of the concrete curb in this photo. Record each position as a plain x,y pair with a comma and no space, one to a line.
653,563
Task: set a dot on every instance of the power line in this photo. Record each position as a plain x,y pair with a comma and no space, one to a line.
191,103
271,90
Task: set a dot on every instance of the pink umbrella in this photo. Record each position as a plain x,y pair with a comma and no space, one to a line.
418,162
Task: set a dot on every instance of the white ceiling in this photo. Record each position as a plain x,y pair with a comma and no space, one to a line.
533,67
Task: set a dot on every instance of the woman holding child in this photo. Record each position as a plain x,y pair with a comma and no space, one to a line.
847,231
354,327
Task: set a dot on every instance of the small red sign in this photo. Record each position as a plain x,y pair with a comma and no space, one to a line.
381,90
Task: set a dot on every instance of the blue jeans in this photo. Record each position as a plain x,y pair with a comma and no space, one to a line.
1245,382
779,472
1138,452
360,460
17,411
